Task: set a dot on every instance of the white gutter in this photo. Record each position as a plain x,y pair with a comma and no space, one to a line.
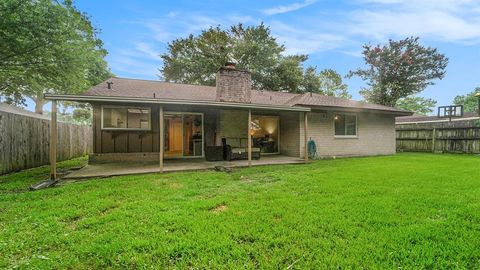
359,109
173,102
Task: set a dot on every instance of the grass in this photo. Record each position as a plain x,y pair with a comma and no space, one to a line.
404,211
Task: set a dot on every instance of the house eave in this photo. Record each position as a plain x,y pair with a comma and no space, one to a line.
85,98
353,109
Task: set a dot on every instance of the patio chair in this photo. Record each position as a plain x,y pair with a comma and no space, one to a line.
235,148
214,153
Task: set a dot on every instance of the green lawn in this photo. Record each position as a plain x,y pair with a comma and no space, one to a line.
405,211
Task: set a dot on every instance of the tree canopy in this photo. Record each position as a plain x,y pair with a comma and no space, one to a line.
419,105
47,46
331,84
469,101
195,60
399,69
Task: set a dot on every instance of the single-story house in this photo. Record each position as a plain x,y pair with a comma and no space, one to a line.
140,119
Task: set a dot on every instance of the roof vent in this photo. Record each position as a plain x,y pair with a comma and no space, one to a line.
109,85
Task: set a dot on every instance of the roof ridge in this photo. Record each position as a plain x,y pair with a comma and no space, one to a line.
159,81
202,85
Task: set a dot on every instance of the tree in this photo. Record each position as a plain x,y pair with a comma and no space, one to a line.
331,84
196,59
47,46
419,105
469,101
399,69
327,82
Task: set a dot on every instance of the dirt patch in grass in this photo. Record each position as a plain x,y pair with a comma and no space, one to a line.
245,179
219,208
175,185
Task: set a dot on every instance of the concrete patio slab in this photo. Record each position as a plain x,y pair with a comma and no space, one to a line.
124,168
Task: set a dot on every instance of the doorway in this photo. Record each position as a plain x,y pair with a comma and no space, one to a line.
266,133
183,134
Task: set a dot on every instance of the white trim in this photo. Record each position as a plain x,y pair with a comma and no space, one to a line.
126,123
346,136
316,108
175,102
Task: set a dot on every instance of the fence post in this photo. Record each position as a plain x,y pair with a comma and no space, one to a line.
433,140
53,142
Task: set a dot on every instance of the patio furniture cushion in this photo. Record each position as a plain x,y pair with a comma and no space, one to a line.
244,150
237,150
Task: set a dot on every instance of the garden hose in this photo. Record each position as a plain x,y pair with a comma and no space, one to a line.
312,149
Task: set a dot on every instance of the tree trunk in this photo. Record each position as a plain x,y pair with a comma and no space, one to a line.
39,102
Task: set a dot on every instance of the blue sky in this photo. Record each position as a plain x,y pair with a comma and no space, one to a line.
331,32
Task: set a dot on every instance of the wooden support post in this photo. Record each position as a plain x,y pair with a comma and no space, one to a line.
434,134
305,126
53,142
249,138
161,139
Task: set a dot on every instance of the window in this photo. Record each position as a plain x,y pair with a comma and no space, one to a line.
126,118
345,125
265,133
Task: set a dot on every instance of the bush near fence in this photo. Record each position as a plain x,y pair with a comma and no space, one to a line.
25,140
442,136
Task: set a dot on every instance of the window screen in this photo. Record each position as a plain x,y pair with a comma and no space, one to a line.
345,125
126,118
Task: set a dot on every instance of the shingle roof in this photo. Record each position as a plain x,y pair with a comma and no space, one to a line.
312,99
123,87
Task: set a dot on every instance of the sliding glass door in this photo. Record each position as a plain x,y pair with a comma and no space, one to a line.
183,134
266,133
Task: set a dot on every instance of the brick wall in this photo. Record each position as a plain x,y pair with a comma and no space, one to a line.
233,85
232,124
375,135
290,133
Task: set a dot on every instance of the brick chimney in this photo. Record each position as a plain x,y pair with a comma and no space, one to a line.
233,85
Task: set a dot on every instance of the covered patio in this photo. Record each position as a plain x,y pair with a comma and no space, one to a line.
112,155
120,168
151,126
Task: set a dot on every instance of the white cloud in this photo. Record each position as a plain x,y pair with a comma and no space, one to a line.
445,20
165,29
129,65
305,40
147,49
288,8
357,53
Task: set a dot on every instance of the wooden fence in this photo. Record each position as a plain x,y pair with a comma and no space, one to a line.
25,139
445,137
